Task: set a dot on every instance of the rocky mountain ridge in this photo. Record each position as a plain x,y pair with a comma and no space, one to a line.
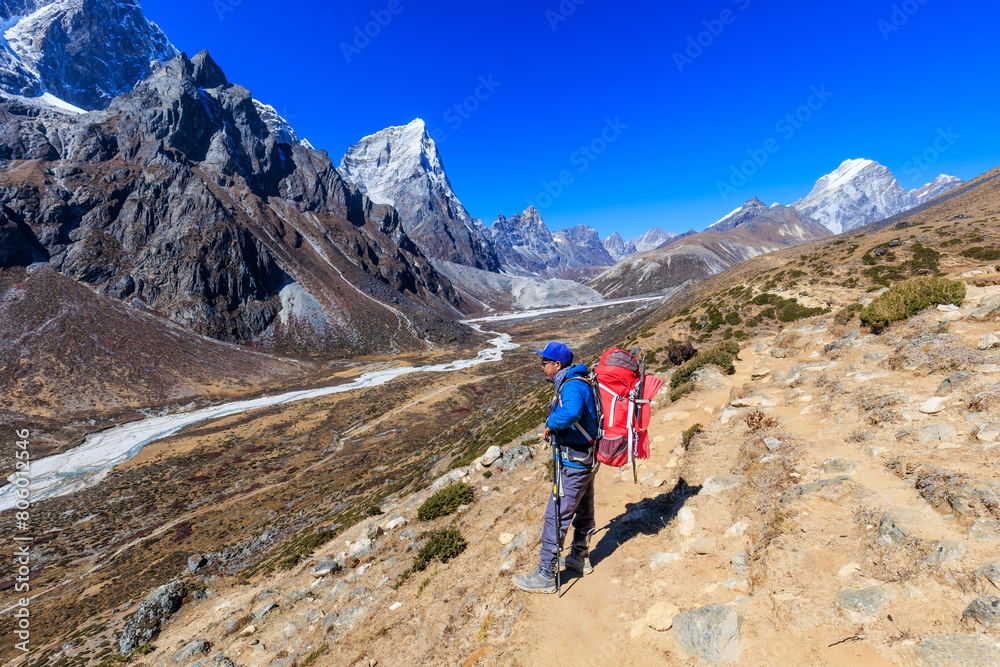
750,231
62,48
204,215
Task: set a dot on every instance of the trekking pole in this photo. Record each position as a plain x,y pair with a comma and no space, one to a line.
637,407
556,478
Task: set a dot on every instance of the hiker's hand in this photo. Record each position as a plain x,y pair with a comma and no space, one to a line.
547,434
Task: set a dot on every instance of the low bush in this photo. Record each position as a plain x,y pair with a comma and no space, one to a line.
981,253
446,501
443,545
680,390
908,298
688,435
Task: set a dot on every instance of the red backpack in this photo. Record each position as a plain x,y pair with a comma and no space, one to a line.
624,391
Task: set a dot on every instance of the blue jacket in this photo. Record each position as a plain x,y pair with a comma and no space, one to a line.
577,405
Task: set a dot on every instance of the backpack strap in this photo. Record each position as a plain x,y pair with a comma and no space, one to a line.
577,425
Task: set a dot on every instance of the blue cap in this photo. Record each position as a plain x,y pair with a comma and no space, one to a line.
557,352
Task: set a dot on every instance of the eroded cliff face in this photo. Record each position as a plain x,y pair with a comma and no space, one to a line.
178,194
84,52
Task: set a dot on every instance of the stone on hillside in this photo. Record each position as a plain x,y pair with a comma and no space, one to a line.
325,566
932,405
329,620
760,372
863,603
950,651
264,611
658,559
985,530
746,401
660,616
515,456
836,465
985,312
944,551
934,433
874,358
991,572
685,522
953,381
295,596
737,528
772,443
727,415
988,432
371,531
831,489
984,611
705,545
741,563
409,534
360,548
350,617
718,483
197,647
520,540
359,593
895,526
196,562
220,660
711,633
314,615
290,630
779,352
761,347
150,614
491,455
803,366
506,538
398,522
707,377
988,342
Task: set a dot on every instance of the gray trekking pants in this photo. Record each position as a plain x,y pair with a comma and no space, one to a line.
577,506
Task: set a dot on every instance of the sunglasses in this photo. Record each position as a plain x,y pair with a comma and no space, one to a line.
546,362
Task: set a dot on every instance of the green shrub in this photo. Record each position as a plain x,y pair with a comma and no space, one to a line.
688,435
733,318
443,545
722,355
908,298
981,253
680,390
792,310
446,501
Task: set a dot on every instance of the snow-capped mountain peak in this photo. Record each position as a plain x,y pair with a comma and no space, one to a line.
617,248
860,192
654,238
401,166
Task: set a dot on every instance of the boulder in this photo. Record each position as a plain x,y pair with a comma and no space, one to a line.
325,566
932,406
685,522
935,433
985,529
660,616
516,456
953,381
990,571
944,551
195,648
718,483
150,615
983,611
863,604
950,651
711,633
988,342
196,562
491,455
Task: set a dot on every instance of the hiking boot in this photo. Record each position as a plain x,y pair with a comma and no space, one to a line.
538,581
578,563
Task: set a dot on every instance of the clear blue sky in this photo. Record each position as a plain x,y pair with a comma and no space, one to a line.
895,80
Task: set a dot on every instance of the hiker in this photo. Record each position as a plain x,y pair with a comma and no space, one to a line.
570,422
